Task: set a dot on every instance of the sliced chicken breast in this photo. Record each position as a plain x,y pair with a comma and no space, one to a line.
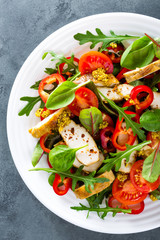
92,167
98,187
76,136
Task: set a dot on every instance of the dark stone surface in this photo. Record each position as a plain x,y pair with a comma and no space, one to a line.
23,25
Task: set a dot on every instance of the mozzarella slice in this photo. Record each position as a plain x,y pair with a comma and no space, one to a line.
76,136
92,167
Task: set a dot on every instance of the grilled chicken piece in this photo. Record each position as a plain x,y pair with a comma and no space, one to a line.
46,124
112,81
126,166
142,72
146,151
98,187
124,90
76,136
92,167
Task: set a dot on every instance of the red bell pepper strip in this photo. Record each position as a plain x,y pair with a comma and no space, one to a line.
42,143
61,66
106,141
120,74
49,80
59,187
49,162
128,134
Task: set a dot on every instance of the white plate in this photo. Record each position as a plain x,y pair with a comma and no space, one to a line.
22,143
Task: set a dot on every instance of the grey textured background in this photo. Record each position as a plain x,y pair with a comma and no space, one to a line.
23,25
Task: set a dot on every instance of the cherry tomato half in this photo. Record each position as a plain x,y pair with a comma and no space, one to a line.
84,98
108,119
126,193
92,60
139,182
136,208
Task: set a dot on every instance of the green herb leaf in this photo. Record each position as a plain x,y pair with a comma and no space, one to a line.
151,166
36,85
156,193
29,106
101,38
50,70
62,157
88,180
136,127
150,120
101,106
91,118
63,95
116,158
103,210
37,154
51,179
139,54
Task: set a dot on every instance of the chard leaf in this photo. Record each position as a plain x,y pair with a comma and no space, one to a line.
37,154
29,106
62,157
151,166
150,120
91,118
101,38
88,180
136,127
139,54
116,158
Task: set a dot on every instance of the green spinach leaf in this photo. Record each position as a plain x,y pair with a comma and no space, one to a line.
150,120
37,154
51,179
91,118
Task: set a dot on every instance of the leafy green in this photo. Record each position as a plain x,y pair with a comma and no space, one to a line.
136,127
116,68
101,106
50,70
116,158
139,54
151,166
150,120
37,154
91,118
29,106
62,157
101,38
103,210
88,180
156,193
36,85
63,95
51,179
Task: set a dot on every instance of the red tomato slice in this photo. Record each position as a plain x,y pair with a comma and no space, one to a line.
155,140
139,182
126,193
84,98
136,208
92,60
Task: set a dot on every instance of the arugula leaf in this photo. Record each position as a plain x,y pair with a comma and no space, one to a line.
156,193
151,166
50,70
91,118
37,154
103,210
88,180
101,106
36,85
29,106
116,158
139,54
62,157
136,127
101,37
63,95
150,120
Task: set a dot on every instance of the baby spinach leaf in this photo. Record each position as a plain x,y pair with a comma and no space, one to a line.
136,127
88,180
116,158
37,154
101,37
151,166
150,120
62,157
139,54
29,106
63,95
91,118
51,179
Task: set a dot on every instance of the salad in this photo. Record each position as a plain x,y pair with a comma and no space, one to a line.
99,125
